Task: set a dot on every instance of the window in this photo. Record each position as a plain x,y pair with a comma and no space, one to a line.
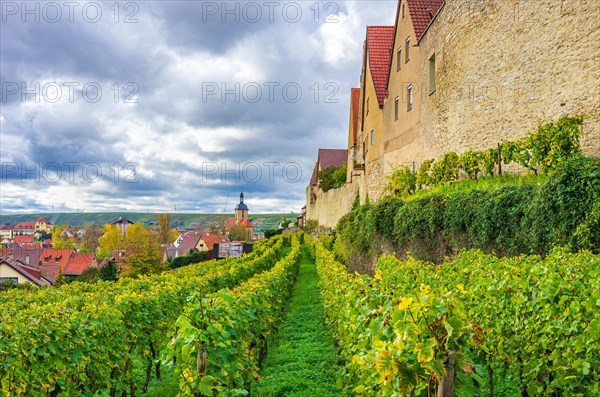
396,107
403,13
409,97
4,279
367,106
432,74
407,49
398,58
372,137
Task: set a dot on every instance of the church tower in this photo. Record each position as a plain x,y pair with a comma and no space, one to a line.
241,210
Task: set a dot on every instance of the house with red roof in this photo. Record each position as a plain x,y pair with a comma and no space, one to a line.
43,225
210,241
369,144
24,228
17,271
188,241
410,82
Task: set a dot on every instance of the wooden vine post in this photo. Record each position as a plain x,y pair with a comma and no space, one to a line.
499,159
201,360
446,386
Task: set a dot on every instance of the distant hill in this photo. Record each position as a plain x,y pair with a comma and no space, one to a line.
261,222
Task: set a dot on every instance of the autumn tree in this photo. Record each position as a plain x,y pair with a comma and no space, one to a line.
60,238
89,240
214,229
110,240
238,233
144,251
165,233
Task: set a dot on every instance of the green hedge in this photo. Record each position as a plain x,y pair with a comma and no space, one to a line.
511,220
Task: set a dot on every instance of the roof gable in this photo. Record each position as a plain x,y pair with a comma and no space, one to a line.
422,13
28,272
189,242
328,158
332,158
43,219
379,45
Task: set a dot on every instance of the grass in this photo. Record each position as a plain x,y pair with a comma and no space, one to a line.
302,361
482,183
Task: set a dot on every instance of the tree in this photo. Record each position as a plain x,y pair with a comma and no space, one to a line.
272,232
89,240
165,233
238,233
60,279
214,229
332,177
110,271
145,258
110,240
89,275
59,236
145,255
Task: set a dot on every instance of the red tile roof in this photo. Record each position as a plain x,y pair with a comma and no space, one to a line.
25,225
42,218
354,101
212,240
23,239
328,158
78,263
52,256
379,47
246,223
422,13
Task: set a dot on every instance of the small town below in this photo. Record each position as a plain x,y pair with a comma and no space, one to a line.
40,253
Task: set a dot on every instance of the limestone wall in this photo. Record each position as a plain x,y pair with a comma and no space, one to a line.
501,68
329,206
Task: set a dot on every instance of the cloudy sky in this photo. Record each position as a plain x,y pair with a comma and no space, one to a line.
158,105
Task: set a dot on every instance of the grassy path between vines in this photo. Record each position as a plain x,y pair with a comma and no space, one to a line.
302,361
